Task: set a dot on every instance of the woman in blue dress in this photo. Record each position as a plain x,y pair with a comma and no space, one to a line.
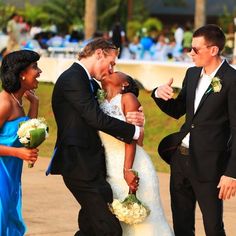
19,72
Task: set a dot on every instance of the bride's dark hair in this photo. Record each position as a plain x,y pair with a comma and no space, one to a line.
132,87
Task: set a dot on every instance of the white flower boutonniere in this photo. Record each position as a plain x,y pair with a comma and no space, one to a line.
215,85
101,95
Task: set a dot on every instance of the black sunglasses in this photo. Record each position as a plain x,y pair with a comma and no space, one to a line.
196,50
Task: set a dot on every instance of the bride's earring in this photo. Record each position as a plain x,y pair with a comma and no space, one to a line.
23,77
123,88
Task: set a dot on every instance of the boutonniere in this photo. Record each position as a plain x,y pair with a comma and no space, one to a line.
101,95
215,85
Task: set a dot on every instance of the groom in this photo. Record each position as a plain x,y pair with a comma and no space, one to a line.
202,155
79,155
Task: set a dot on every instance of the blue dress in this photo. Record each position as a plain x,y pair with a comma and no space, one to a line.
11,221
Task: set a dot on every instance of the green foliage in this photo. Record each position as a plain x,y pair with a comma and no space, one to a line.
152,24
110,11
133,27
6,11
104,19
225,19
140,12
64,13
33,13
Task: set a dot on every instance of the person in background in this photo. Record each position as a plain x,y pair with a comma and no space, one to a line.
117,36
13,31
187,38
19,73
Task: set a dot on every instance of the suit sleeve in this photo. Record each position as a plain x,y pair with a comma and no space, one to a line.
77,92
175,107
231,167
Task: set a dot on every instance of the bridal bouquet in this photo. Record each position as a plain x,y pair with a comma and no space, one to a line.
131,210
32,133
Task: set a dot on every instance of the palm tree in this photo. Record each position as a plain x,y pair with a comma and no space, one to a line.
90,22
200,13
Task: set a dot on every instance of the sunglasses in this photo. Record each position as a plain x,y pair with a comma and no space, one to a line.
196,50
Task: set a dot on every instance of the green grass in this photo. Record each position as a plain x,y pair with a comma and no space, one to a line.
157,124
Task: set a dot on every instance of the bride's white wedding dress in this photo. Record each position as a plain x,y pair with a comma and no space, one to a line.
155,224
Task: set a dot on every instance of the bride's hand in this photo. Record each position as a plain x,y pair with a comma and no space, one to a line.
131,179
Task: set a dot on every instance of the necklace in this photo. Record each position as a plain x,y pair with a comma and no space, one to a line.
16,100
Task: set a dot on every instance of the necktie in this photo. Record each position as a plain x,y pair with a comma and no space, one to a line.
94,86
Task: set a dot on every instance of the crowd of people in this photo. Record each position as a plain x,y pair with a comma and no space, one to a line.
98,166
167,45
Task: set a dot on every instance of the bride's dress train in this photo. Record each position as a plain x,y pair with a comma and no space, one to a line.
155,224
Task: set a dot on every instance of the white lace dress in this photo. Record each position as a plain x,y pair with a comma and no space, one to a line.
148,192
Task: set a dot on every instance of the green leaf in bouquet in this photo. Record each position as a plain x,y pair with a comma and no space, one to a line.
37,136
131,198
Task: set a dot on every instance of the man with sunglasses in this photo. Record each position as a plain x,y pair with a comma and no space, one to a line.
202,155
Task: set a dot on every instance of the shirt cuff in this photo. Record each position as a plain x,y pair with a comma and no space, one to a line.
232,178
137,132
156,94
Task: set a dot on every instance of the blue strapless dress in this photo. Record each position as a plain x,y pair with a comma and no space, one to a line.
11,221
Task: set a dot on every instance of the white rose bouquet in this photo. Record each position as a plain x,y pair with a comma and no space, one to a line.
131,210
32,133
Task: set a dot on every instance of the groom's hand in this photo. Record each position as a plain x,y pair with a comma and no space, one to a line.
136,117
227,186
165,91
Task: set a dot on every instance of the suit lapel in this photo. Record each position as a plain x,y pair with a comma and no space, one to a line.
219,74
193,87
94,86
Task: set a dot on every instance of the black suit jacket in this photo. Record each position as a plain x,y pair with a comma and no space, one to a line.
78,151
212,127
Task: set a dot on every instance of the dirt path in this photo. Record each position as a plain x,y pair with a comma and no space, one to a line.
50,210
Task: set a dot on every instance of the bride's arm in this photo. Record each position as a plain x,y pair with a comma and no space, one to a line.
130,103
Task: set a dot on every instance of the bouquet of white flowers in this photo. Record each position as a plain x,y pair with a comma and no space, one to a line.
131,210
32,133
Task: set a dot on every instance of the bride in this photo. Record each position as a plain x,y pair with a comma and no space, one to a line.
121,159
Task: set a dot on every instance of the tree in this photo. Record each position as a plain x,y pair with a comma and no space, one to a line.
90,18
33,13
200,13
64,13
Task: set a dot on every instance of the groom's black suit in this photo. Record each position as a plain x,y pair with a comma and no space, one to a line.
212,146
79,154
